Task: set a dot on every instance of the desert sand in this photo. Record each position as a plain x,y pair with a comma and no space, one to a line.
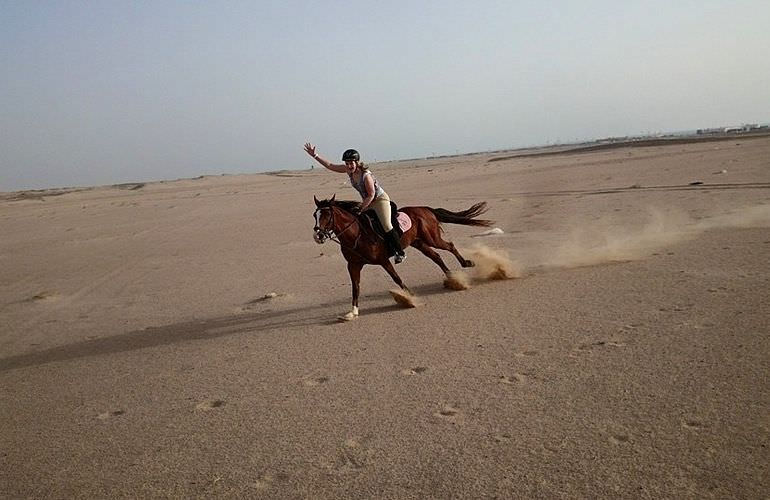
179,339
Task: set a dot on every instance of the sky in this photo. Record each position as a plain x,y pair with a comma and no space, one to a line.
101,92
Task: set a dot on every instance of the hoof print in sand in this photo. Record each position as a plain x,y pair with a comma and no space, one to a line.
313,382
110,414
250,305
693,425
601,343
618,435
414,371
502,438
629,328
44,296
266,480
619,438
449,414
350,458
516,378
210,405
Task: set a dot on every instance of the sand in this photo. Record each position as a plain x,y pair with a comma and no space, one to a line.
179,339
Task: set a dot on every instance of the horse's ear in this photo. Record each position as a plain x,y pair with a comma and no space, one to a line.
332,198
317,203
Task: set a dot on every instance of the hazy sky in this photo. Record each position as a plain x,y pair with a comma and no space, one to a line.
101,92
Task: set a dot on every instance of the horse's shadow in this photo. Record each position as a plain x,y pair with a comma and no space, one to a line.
252,322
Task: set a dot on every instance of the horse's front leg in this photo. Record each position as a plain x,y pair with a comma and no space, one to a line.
394,275
405,297
354,269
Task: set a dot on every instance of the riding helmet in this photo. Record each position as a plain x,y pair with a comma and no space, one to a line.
351,155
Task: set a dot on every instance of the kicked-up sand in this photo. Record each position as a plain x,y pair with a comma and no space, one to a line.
180,339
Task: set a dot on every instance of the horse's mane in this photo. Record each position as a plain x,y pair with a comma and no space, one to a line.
347,205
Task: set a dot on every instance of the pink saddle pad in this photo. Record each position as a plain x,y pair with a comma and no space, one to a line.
404,222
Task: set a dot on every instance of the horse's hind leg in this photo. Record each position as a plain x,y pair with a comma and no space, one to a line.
450,247
452,281
431,254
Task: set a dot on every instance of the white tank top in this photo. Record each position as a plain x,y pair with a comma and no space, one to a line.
361,187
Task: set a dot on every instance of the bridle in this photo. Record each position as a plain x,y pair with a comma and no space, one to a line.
322,234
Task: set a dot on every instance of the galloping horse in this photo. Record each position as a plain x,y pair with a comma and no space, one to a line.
361,245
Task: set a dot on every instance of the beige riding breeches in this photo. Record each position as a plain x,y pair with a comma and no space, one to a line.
381,206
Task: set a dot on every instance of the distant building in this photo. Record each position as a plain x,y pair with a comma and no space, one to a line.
747,127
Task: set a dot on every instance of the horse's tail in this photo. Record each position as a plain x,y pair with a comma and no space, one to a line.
465,217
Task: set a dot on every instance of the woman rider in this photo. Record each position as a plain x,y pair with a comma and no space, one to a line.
372,194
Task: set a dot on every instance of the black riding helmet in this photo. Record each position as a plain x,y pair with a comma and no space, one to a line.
351,155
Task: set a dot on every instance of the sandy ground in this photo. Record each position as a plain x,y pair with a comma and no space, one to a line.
138,357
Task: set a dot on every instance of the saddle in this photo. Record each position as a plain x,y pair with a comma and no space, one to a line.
374,222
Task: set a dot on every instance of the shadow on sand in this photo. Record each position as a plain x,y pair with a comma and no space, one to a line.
256,322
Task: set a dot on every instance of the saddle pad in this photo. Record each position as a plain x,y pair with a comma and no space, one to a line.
404,222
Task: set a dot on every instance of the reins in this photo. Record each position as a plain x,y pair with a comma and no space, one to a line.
334,235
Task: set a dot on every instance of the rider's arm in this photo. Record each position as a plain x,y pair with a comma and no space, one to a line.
310,149
331,166
369,184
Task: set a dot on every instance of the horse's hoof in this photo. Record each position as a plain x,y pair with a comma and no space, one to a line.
403,298
456,281
348,317
469,263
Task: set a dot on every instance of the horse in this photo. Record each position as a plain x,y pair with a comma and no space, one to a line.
362,245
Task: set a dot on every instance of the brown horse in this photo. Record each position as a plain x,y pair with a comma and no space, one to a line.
361,245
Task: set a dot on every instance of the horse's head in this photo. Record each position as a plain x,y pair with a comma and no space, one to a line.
325,220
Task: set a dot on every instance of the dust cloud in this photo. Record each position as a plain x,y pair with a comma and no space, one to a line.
595,245
492,264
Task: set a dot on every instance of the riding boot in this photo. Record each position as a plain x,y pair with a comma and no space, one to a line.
395,244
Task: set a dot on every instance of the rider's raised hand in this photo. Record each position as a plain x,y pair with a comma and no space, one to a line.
310,149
